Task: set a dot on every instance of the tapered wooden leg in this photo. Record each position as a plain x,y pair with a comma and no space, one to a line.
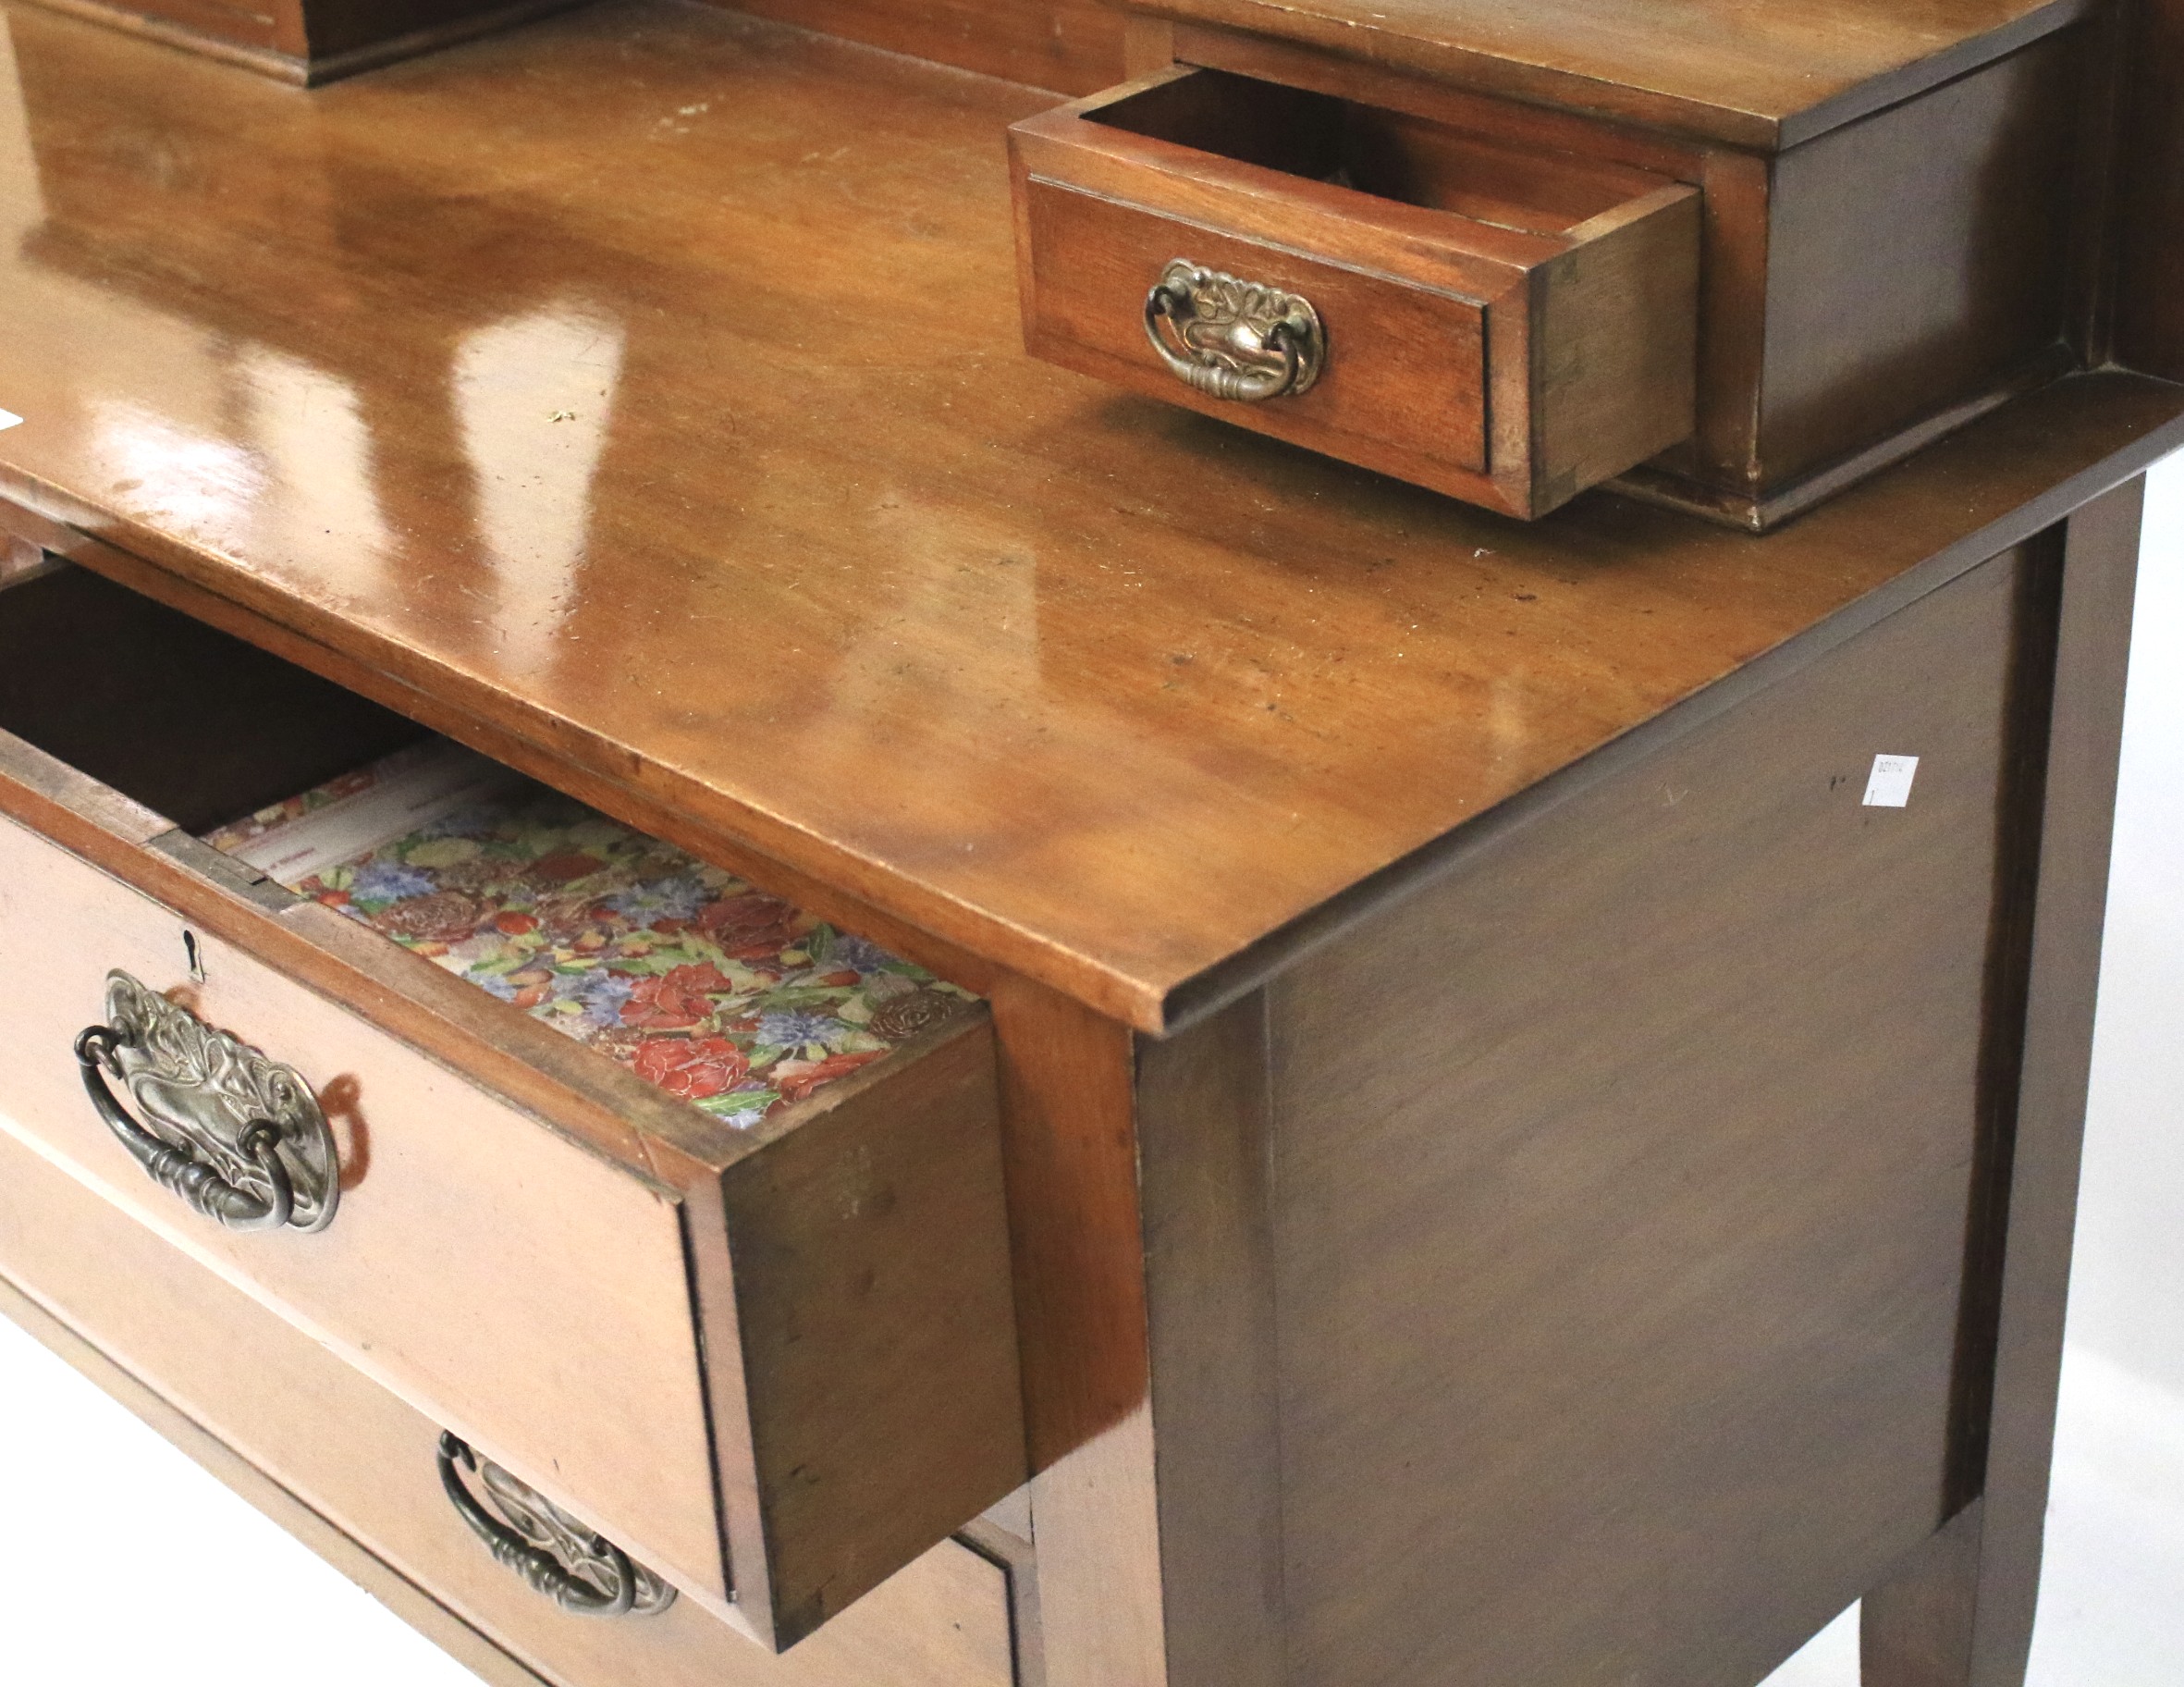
1915,1629
1959,1612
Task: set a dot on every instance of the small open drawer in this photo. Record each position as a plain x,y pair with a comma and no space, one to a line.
1507,326
759,1335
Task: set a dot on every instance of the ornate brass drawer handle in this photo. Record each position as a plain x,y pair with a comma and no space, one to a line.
568,1562
1233,339
239,1136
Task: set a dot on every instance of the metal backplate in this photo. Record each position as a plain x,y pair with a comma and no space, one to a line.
200,1090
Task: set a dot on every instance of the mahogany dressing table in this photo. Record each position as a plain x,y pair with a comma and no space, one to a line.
1472,1116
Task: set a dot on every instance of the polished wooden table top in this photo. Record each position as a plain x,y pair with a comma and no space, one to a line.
646,383
1751,75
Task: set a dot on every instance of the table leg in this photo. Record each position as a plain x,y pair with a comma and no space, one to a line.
1958,1613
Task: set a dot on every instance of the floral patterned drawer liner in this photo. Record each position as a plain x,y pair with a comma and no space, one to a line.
717,992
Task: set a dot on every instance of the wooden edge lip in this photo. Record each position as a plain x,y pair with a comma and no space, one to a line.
1476,70
1058,120
1199,997
1362,42
1921,75
1765,512
1634,210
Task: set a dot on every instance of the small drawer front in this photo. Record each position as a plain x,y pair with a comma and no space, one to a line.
775,1364
1404,369
1502,326
367,1463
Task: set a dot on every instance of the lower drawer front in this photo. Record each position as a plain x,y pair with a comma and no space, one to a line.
366,1462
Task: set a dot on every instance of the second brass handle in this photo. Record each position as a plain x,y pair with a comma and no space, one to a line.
567,1561
1233,339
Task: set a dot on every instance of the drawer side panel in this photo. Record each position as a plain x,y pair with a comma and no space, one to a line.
1621,1182
876,1324
1920,257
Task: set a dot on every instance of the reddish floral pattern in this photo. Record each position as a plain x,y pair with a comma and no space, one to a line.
753,927
693,1068
677,999
798,1078
717,993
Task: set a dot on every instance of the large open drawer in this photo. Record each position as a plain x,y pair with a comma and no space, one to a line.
773,1363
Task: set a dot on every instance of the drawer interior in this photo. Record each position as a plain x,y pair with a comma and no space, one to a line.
1386,155
707,988
724,996
180,717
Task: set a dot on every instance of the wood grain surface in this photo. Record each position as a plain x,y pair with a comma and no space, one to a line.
360,1461
1752,76
819,562
1072,47
1619,1187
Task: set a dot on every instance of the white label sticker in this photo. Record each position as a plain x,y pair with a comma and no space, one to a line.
1889,785
9,419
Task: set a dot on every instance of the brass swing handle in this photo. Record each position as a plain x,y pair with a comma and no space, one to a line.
239,1138
1233,339
181,1171
544,1544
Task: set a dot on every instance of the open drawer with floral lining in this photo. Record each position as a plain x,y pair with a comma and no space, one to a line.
677,1203
703,986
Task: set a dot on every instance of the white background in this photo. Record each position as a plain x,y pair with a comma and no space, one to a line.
121,1563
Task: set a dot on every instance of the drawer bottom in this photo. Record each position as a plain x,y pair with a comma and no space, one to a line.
350,1471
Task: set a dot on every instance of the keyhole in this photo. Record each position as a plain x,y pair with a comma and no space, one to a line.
196,956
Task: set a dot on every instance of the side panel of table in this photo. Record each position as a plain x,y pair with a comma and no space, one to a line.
1595,1249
